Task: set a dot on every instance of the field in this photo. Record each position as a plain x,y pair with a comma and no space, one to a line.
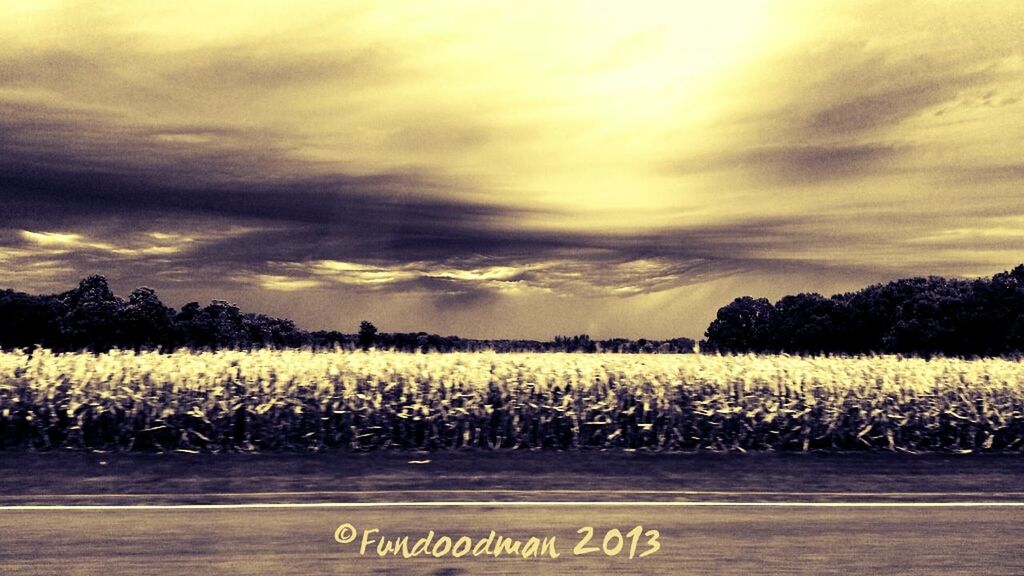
232,401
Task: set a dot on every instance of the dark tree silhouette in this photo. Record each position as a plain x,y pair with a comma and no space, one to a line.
578,343
807,323
218,325
146,321
367,335
742,326
930,318
264,331
920,316
27,320
917,316
92,317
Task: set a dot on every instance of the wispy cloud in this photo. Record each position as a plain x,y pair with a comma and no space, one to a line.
60,243
582,275
565,164
283,283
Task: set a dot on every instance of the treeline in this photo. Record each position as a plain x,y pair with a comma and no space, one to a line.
424,342
913,316
92,317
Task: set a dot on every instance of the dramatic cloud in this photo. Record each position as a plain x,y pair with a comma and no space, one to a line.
513,169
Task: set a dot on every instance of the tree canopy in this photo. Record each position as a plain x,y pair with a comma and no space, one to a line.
92,317
911,316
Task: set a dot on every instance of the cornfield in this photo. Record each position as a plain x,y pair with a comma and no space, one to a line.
313,401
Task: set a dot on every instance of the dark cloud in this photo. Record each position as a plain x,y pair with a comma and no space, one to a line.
796,164
390,217
339,200
400,233
867,89
799,164
837,113
38,138
991,174
396,222
406,165
228,109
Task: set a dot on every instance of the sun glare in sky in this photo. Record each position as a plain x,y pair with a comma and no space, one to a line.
507,168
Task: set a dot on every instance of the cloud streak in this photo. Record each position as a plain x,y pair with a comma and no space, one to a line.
553,168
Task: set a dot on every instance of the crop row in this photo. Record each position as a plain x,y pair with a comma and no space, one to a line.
311,401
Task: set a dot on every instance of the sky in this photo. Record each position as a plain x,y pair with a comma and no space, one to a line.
508,169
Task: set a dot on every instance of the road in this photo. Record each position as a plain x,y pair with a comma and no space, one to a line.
104,514
693,540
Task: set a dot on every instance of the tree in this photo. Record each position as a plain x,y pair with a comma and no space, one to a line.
933,319
806,323
578,343
146,321
367,335
998,308
93,315
218,325
741,326
265,331
27,320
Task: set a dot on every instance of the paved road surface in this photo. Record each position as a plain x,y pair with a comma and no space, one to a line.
694,540
243,536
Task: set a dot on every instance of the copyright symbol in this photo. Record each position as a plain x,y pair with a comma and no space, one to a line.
345,534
